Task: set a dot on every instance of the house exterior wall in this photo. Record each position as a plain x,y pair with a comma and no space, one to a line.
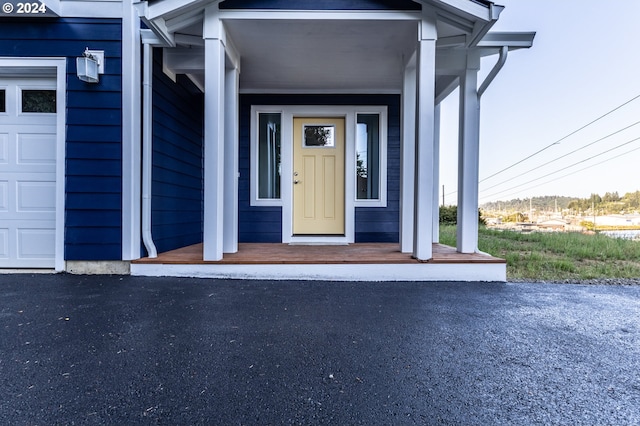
372,224
93,159
177,198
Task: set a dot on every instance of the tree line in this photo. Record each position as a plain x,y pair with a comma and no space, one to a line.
609,203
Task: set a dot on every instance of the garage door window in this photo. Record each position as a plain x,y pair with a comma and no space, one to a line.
3,102
42,101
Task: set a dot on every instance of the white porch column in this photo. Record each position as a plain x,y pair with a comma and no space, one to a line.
468,157
408,160
423,232
214,120
436,175
231,149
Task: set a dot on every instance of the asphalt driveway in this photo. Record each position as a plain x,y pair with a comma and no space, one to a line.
127,350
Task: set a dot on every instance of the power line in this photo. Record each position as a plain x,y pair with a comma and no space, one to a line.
567,154
576,171
564,168
561,139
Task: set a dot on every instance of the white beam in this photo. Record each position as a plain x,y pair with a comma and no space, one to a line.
184,60
468,157
407,165
320,15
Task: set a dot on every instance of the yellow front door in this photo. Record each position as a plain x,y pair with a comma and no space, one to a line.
318,165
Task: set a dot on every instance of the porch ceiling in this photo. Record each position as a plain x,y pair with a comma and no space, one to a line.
322,55
317,55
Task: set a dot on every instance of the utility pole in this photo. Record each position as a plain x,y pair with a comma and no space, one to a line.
442,195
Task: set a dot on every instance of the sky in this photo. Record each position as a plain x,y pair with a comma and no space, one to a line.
584,64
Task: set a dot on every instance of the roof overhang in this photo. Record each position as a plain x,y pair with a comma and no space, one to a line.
286,50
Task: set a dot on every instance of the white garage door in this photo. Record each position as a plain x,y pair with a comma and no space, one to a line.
27,172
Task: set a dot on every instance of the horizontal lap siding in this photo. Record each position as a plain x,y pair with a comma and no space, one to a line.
322,4
255,224
264,224
382,225
177,191
93,215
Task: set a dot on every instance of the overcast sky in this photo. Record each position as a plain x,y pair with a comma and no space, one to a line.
585,62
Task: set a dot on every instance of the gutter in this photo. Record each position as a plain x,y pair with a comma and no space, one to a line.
481,29
147,149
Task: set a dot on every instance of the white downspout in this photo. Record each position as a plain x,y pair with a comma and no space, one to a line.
147,150
504,50
502,59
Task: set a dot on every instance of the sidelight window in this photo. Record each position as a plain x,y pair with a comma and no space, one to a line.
269,155
368,157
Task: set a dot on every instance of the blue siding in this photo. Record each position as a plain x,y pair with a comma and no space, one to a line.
177,199
94,127
322,4
264,224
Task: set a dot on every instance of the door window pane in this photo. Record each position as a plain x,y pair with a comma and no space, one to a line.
368,156
3,101
269,125
43,101
319,136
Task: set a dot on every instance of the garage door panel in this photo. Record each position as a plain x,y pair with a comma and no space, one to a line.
4,196
36,243
4,243
36,149
28,145
34,197
4,148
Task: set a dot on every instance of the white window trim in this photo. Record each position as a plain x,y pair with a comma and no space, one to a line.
255,113
382,164
286,191
52,67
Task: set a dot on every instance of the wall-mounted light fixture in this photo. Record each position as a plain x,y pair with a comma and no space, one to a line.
90,65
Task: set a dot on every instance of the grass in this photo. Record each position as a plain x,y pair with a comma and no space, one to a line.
557,256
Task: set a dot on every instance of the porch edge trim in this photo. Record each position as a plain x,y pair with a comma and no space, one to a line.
496,272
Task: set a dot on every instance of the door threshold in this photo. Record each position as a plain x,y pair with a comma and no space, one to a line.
318,243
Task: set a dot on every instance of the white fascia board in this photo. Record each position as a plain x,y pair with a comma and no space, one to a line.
319,15
53,5
515,40
466,7
168,8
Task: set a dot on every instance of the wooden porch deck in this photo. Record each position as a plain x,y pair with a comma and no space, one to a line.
285,254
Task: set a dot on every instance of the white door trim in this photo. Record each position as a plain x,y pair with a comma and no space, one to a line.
52,67
350,114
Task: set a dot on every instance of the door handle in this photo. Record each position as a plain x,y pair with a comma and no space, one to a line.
296,181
